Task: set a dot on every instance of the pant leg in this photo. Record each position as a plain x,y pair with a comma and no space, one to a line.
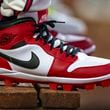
8,7
40,5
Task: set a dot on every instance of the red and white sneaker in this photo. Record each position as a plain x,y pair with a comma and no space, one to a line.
67,32
30,54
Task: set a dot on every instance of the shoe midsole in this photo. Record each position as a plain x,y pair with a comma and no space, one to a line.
33,77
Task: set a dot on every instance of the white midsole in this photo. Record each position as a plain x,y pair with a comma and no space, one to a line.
36,78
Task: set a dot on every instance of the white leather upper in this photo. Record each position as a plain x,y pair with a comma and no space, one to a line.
46,61
24,53
87,61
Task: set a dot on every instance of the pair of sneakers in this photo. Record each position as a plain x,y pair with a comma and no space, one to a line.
29,53
72,31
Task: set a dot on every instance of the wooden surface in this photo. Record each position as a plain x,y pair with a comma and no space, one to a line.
60,99
26,97
17,97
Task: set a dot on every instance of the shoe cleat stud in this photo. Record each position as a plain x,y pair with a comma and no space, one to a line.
89,86
105,83
67,87
53,86
8,82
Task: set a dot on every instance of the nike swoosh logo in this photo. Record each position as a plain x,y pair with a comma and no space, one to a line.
31,64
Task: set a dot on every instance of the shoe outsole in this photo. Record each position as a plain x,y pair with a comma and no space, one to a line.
55,86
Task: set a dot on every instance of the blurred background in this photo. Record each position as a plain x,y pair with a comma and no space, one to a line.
96,15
